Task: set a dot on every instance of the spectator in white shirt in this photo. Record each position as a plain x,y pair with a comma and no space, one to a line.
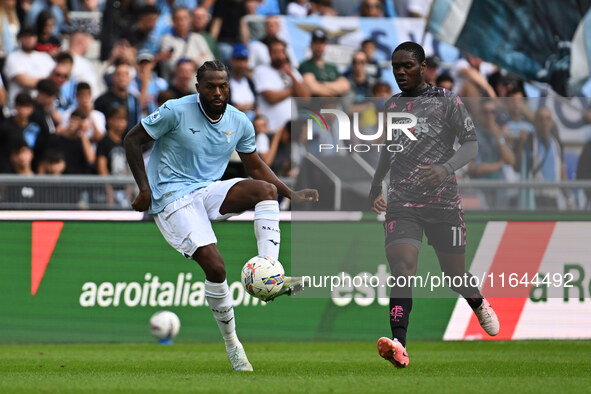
25,67
182,43
83,69
276,84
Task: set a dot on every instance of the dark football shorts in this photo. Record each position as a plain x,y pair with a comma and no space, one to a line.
445,228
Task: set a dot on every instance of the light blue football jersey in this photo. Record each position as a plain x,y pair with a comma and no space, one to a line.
191,151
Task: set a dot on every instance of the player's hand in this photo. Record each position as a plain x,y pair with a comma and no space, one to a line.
379,204
142,201
305,195
432,176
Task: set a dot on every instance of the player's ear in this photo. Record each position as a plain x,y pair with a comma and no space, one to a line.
197,86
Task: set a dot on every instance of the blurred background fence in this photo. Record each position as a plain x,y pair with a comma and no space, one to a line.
343,182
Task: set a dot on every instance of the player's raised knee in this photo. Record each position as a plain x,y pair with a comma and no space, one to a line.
266,191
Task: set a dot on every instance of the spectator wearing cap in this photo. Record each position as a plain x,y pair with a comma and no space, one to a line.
181,42
147,84
184,79
119,96
242,89
276,84
16,127
322,78
25,67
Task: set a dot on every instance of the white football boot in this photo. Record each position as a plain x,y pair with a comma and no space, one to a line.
238,359
291,286
487,318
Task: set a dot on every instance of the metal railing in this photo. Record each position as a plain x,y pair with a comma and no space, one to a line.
79,192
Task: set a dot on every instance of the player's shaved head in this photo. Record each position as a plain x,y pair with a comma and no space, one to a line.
412,47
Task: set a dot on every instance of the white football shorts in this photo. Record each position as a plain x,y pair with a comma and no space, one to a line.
186,222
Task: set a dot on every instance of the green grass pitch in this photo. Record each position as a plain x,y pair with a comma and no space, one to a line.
310,367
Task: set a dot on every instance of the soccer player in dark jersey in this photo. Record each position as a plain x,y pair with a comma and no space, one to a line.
423,193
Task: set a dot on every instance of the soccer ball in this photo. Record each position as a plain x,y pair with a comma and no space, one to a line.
165,325
262,277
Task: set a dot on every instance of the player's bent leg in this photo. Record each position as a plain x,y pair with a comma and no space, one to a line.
453,265
266,222
244,195
393,351
219,300
262,196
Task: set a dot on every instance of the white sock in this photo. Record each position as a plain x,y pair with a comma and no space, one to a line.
266,228
220,302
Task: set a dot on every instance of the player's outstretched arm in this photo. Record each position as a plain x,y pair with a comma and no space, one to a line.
133,142
256,168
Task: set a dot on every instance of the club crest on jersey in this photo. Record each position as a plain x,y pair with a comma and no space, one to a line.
153,117
228,134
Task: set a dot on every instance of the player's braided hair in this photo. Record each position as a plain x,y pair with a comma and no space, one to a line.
412,47
211,65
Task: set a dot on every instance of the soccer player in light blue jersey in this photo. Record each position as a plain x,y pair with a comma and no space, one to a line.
195,136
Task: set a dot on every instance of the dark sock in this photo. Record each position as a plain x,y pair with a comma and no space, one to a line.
400,308
471,294
475,301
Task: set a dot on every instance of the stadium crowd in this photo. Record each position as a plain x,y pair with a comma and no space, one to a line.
73,84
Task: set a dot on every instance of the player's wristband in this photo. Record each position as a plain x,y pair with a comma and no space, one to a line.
375,191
